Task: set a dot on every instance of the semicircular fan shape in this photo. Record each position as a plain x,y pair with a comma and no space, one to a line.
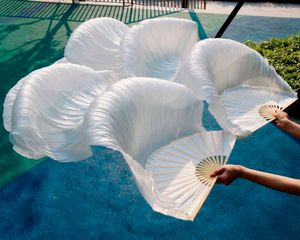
235,80
256,107
157,47
138,116
181,170
96,44
45,110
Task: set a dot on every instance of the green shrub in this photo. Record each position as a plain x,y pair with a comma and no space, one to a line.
284,56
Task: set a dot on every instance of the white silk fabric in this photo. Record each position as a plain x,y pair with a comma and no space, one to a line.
157,47
54,116
96,44
45,110
135,117
235,81
137,90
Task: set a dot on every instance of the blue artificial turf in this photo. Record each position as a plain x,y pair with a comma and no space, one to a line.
98,199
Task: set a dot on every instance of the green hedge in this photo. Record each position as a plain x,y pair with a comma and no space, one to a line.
284,55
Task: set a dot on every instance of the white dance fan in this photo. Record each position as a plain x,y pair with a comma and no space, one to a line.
181,170
139,116
236,81
248,109
96,44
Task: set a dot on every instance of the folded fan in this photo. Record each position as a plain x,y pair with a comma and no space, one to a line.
139,116
181,170
236,81
249,108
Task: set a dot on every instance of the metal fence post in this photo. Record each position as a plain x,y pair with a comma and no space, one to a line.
184,3
229,19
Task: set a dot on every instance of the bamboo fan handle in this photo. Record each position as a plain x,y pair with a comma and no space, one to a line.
200,201
203,171
206,167
268,112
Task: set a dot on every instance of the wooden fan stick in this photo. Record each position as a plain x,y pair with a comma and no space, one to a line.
208,149
192,212
223,148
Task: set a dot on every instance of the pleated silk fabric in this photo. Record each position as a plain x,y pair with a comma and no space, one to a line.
45,110
139,91
235,80
96,44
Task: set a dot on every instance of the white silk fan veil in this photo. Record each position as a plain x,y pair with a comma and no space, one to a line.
181,170
238,83
105,91
156,125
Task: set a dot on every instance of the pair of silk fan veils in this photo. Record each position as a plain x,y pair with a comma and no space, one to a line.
140,91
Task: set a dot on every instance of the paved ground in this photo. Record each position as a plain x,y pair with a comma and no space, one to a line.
265,9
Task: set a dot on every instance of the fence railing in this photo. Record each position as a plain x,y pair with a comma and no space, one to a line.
81,12
191,4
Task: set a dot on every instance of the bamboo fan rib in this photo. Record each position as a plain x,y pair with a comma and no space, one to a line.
181,170
205,167
268,112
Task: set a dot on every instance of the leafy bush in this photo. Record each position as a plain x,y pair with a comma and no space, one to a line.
284,56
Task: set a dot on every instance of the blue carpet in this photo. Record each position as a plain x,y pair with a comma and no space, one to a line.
98,199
